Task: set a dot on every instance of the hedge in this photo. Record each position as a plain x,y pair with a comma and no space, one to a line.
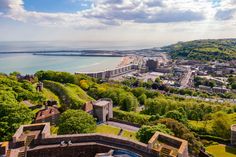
131,117
215,138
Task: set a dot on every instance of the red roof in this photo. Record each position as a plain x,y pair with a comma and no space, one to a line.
45,113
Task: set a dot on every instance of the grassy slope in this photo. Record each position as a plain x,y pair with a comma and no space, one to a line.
221,151
50,95
80,93
71,96
222,49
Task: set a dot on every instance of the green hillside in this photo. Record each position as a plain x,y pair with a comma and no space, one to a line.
208,50
71,96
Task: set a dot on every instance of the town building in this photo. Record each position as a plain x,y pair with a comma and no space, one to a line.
151,64
35,140
106,74
49,114
219,90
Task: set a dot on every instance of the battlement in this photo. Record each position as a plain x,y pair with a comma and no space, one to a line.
35,141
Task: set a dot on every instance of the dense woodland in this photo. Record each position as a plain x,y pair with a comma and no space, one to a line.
190,119
208,50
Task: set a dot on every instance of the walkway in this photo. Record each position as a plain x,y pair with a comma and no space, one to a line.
123,126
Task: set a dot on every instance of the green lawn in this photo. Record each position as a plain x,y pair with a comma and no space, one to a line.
129,134
107,129
221,151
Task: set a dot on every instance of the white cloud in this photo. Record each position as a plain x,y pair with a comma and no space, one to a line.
114,12
170,20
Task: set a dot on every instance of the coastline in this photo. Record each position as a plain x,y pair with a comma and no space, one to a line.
126,60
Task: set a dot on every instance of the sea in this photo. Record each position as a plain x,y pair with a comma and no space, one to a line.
27,63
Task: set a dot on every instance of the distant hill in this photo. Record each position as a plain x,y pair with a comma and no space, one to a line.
209,50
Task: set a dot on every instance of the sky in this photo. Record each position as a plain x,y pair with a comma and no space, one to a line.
141,21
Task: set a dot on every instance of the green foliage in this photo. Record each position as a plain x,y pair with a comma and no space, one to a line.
174,114
131,117
76,121
125,100
194,109
203,81
13,91
232,81
142,99
11,117
128,103
221,126
65,77
209,50
154,117
146,132
71,96
214,138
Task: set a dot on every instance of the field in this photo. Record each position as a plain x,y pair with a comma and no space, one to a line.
107,129
221,151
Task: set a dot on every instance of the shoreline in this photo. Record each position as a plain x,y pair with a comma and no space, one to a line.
126,60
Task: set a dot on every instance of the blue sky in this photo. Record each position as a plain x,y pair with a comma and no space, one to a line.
151,21
68,6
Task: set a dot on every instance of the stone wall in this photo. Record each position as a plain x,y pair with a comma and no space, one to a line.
233,135
107,141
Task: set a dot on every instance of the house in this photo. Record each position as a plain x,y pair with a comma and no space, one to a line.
49,114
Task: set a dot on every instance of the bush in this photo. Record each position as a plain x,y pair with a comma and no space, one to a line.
146,132
75,122
131,117
214,138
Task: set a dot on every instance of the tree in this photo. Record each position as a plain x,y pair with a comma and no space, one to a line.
84,84
221,125
233,86
158,80
176,115
76,121
11,117
146,132
142,99
128,103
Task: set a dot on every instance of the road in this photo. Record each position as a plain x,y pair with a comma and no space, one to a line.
123,126
184,82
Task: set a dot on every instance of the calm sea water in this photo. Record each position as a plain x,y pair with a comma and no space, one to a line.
29,63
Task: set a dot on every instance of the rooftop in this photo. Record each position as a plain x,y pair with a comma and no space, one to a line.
101,103
45,113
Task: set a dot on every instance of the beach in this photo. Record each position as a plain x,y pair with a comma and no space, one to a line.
126,60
